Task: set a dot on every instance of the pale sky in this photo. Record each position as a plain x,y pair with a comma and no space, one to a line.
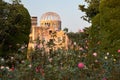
67,10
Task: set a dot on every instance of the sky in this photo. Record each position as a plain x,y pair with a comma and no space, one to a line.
68,11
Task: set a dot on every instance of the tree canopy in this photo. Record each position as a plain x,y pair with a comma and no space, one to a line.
15,27
110,26
104,32
91,10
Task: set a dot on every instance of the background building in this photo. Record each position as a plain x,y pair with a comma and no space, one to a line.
49,34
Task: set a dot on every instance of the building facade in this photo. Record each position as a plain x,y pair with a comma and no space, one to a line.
48,34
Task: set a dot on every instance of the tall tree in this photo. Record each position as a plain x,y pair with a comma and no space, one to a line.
110,26
104,35
3,18
92,16
91,9
16,28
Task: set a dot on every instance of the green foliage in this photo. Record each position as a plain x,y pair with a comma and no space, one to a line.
66,30
92,14
104,33
62,65
78,37
98,48
109,21
91,10
94,34
15,28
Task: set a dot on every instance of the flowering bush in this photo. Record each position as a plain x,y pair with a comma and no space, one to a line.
62,65
72,64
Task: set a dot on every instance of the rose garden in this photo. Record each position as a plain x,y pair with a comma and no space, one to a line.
94,52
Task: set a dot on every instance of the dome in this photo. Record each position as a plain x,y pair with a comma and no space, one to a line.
50,16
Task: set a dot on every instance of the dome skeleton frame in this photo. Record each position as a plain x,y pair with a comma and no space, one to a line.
50,16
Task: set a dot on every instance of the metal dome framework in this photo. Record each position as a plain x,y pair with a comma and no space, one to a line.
50,16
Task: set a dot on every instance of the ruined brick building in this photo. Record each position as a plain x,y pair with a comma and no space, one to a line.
48,34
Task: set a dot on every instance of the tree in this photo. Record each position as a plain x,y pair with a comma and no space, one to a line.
16,28
104,37
91,10
109,22
79,39
66,30
3,18
92,15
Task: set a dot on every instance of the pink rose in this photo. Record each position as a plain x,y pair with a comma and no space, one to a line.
37,70
104,79
119,51
81,65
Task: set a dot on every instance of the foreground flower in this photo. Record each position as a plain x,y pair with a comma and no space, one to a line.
81,65
114,59
108,53
2,59
95,54
118,50
96,61
22,61
50,59
104,79
30,65
37,70
42,72
7,67
12,58
106,57
2,67
12,68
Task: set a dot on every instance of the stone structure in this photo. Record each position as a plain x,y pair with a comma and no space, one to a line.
51,19
48,34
